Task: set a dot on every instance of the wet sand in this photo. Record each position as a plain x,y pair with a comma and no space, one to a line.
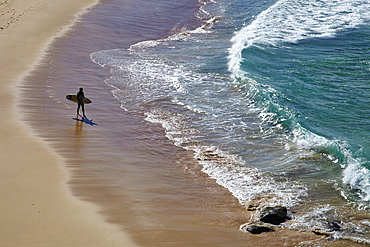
37,208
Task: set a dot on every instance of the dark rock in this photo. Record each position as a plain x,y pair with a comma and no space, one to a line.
275,215
259,229
334,226
321,232
252,207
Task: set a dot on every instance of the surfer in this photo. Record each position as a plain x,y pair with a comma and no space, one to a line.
80,98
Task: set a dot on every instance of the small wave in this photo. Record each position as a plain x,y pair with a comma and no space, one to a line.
294,20
289,21
354,174
202,14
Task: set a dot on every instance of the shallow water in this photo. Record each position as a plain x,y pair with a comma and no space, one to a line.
285,119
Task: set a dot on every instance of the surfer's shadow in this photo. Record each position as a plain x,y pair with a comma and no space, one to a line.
85,120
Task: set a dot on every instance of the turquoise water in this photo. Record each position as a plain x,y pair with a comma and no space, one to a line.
313,56
272,99
320,86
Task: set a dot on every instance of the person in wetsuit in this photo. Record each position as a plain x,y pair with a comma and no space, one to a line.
80,99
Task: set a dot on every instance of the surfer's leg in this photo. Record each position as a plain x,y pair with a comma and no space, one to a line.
78,109
83,109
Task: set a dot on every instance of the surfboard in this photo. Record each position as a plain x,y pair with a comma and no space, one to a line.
74,99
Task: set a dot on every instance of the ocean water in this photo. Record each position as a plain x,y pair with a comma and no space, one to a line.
271,97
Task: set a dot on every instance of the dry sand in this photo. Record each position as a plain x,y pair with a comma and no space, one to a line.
37,208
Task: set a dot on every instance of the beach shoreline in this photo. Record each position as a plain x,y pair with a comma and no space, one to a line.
37,206
117,161
50,187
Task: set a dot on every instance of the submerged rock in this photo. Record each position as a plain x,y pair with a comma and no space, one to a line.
275,215
252,207
254,229
334,226
321,232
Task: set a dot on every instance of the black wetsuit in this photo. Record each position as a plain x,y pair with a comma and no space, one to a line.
80,98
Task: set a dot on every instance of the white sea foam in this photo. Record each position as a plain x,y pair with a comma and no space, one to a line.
229,170
202,14
318,217
358,177
290,21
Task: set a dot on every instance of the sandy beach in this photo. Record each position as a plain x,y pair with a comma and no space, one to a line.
37,207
